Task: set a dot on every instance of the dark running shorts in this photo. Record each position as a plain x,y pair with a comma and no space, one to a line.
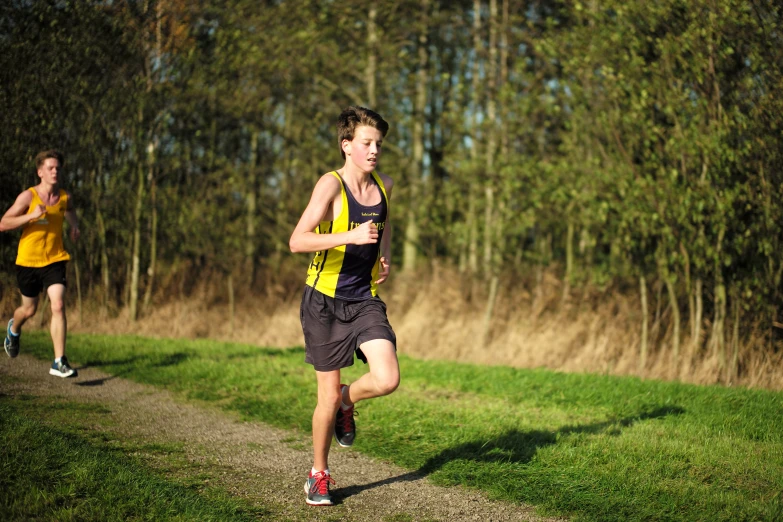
334,328
32,280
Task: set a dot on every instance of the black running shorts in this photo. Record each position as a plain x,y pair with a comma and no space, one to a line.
334,329
33,279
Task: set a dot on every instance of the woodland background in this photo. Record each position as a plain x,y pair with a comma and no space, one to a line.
587,186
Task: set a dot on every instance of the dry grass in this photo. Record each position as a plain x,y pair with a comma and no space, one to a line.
436,316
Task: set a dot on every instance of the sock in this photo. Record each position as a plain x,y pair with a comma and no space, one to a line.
313,471
343,406
57,359
11,331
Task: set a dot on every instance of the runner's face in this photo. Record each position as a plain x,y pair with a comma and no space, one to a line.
364,150
49,171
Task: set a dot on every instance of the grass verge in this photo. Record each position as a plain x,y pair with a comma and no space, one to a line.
54,469
587,446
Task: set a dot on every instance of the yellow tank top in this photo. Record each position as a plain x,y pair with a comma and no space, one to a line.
349,271
42,240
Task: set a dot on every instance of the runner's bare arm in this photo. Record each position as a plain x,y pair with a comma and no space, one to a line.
73,220
17,215
304,238
384,268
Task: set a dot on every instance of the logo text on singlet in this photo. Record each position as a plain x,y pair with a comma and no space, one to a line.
353,224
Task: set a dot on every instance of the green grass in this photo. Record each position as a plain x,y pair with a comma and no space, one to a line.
52,473
585,446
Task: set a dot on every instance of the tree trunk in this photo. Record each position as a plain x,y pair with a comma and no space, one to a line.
668,280
411,240
472,220
490,180
698,287
151,63
472,217
616,261
733,373
105,272
490,308
128,276
97,182
675,319
212,151
645,319
489,208
688,291
251,207
151,270
718,338
372,55
136,249
569,271
504,52
538,292
152,147
587,251
231,305
657,322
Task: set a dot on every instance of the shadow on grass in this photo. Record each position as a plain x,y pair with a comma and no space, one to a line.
138,360
520,446
513,446
97,363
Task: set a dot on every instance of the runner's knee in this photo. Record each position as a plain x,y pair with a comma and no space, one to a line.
29,310
58,306
387,383
330,399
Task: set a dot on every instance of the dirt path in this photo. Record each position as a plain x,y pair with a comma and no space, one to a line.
259,463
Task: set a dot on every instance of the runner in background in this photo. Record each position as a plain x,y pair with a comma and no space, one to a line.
41,258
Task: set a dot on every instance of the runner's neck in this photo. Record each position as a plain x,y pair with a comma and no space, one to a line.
47,192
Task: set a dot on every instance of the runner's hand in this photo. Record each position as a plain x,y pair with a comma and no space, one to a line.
383,271
365,234
37,212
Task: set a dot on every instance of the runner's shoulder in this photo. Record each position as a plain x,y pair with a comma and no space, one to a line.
25,197
327,186
388,183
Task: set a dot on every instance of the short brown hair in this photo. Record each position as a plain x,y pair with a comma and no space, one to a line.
355,116
48,154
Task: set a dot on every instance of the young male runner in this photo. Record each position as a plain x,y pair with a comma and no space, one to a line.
346,224
41,257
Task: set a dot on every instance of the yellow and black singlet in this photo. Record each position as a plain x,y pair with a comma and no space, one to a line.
349,271
41,243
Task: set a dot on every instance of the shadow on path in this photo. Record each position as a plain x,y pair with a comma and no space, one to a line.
95,382
342,493
512,446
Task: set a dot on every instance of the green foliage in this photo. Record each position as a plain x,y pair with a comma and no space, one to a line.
650,130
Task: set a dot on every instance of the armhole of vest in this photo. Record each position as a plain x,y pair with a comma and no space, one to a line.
64,197
32,201
379,181
343,196
381,186
338,177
